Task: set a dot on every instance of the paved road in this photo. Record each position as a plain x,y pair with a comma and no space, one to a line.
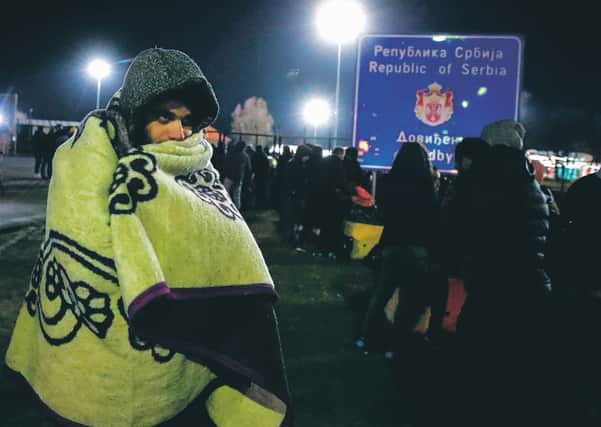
22,196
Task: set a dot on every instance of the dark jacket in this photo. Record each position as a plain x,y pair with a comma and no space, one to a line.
218,159
260,165
331,183
353,173
409,211
580,235
237,164
504,221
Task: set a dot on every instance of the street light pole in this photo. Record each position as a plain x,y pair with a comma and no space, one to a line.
98,69
98,94
337,93
340,21
316,112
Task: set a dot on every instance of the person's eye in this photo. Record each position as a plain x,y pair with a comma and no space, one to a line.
163,119
187,122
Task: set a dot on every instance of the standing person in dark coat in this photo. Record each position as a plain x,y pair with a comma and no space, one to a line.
409,208
312,208
260,166
48,147
333,199
352,169
218,159
296,191
502,324
37,145
577,290
236,172
470,157
281,176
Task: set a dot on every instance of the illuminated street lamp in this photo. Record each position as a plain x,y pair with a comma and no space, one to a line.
340,21
316,112
98,69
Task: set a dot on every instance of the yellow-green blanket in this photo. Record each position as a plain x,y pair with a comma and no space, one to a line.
146,280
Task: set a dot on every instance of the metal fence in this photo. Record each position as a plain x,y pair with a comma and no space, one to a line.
561,171
277,140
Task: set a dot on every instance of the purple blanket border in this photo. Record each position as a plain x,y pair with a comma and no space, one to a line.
161,289
177,294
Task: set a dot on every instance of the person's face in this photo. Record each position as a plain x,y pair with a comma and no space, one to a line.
171,121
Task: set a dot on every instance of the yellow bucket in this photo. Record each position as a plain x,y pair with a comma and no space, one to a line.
365,237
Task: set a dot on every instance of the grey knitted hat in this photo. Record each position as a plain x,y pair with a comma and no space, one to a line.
156,72
504,132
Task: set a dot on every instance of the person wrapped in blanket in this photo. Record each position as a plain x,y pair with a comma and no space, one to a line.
150,302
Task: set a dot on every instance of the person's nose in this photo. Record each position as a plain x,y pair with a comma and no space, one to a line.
178,132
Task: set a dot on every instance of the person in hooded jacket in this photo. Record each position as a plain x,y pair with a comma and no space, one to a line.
502,326
352,169
470,157
296,192
150,302
281,177
37,144
219,154
332,199
237,172
410,213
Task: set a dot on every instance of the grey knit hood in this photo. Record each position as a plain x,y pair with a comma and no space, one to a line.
156,72
504,132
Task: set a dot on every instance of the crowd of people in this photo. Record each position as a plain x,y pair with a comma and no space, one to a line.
525,351
312,193
44,143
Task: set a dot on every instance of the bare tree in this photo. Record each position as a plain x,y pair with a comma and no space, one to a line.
253,117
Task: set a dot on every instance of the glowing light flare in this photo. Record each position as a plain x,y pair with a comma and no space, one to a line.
1,119
99,69
465,103
363,147
439,38
482,90
340,21
316,112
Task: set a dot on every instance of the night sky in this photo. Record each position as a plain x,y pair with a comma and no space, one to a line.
247,48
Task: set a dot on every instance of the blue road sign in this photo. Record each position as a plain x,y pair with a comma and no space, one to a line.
432,89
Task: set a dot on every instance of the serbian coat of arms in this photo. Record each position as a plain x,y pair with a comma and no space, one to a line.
434,107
